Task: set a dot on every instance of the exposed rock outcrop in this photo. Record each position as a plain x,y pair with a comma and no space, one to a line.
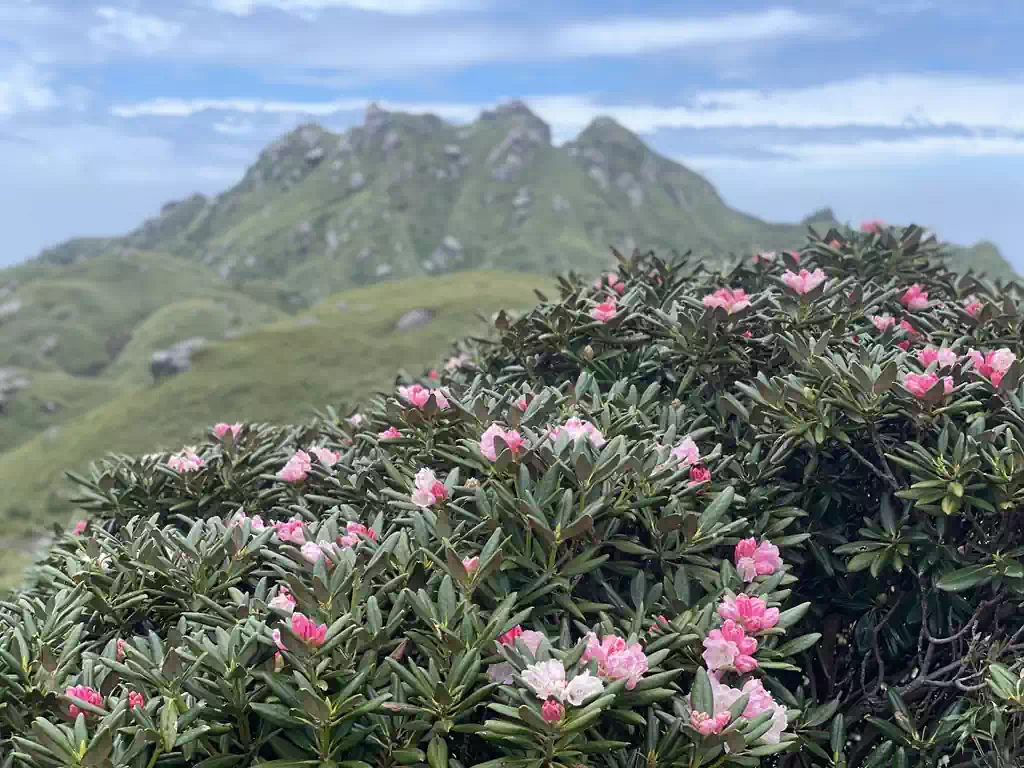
176,359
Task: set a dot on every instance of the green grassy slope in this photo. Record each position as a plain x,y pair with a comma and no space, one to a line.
278,373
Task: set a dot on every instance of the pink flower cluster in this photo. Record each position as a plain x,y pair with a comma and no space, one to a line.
522,403
327,457
315,552
616,660
687,452
915,298
576,428
222,429
417,396
920,384
699,474
86,694
186,461
80,527
471,563
240,518
547,680
284,601
308,631
972,306
136,700
753,559
944,356
296,468
769,256
707,724
503,672
290,531
751,613
389,434
612,281
759,700
804,282
728,299
730,647
992,365
872,225
429,490
883,322
606,310
352,533
512,439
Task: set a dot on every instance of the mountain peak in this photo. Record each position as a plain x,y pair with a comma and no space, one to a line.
520,113
608,130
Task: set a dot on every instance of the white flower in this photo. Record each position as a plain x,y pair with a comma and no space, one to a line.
581,688
546,679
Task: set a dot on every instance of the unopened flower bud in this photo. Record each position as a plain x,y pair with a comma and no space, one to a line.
588,352
676,403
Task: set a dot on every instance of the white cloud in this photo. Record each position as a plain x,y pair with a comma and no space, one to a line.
149,34
24,89
309,7
630,36
233,127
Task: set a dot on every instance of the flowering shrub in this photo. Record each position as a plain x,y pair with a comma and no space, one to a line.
639,527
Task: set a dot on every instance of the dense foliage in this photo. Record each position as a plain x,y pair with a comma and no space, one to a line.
677,518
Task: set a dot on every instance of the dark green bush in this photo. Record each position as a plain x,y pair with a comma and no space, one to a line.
534,558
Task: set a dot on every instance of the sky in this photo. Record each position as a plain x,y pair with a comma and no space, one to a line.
905,110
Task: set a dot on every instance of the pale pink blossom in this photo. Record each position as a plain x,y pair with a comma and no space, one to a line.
512,439
313,553
919,384
804,282
503,672
835,243
872,225
546,679
240,518
348,540
417,395
728,299
296,469
283,601
358,529
582,687
729,647
944,356
136,700
707,724
290,531
222,429
768,256
552,711
699,474
389,434
471,563
356,419
760,700
327,457
121,649
749,612
429,490
972,306
522,403
613,282
308,631
616,660
86,694
883,322
186,461
576,428
992,365
687,452
795,255
915,298
276,634
753,559
605,311
80,527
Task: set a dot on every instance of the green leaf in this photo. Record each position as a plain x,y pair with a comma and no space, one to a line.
701,695
965,578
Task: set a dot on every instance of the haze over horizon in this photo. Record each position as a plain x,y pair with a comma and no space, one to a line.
109,110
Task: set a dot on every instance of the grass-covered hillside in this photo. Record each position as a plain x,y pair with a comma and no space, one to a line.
341,350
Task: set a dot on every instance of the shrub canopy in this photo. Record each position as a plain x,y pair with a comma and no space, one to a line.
767,515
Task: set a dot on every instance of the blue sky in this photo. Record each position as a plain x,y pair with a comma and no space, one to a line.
897,109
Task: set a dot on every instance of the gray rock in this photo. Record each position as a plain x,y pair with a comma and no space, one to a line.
176,359
391,141
332,239
522,198
452,151
376,120
10,308
48,344
559,204
356,181
383,270
414,319
636,196
250,261
337,164
315,155
448,252
49,406
597,174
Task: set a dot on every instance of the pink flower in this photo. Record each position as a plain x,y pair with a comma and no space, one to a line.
522,403
656,625
284,601
872,225
911,330
429,490
547,680
222,429
577,428
835,243
296,469
972,306
993,365
417,395
919,384
605,311
748,335
552,711
433,374
753,559
80,527
883,322
915,298
944,356
86,694
355,419
471,563
353,528
615,660
327,457
290,531
389,434
276,634
121,645
729,647
504,672
308,631
749,612
348,540
613,282
512,438
509,638
768,256
136,700
795,255
728,299
805,282
758,701
313,553
706,724
186,461
699,475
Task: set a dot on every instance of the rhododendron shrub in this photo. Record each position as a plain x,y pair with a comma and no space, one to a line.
684,533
